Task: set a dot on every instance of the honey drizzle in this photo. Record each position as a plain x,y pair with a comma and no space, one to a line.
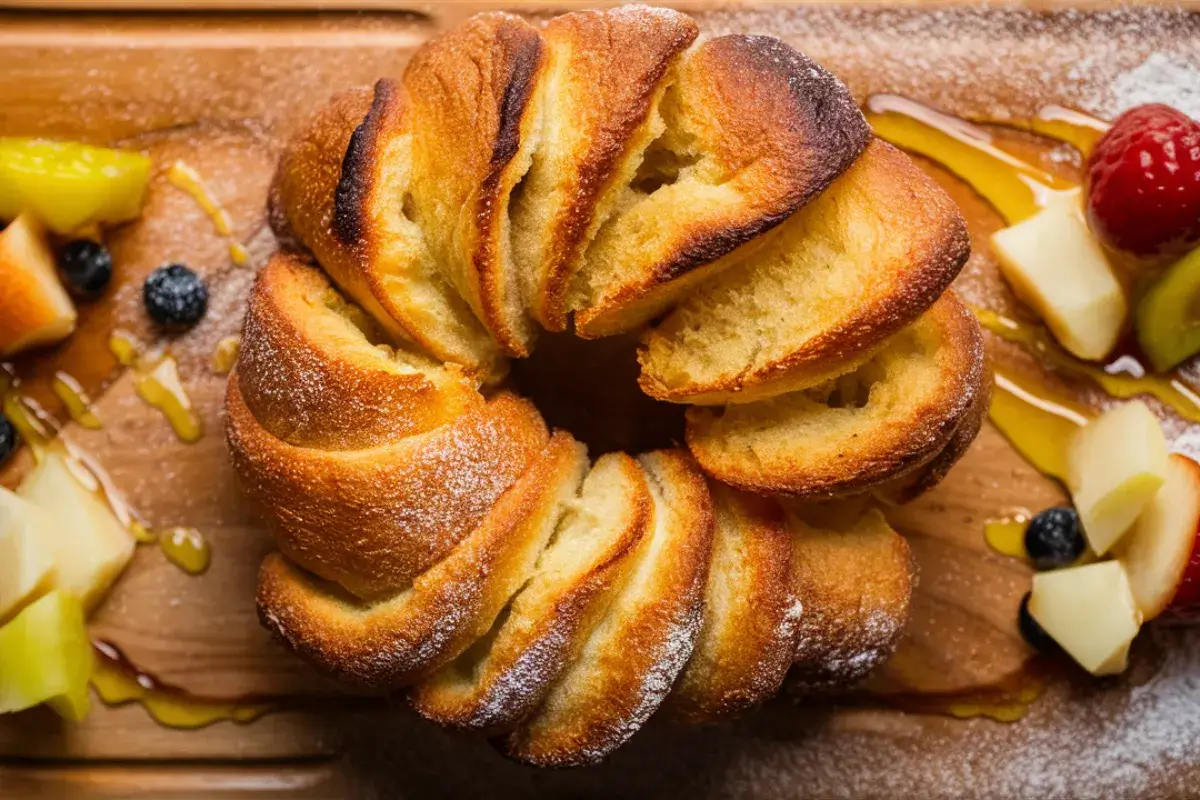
186,548
1039,426
75,400
156,381
1008,700
186,179
1006,535
118,682
225,355
1077,129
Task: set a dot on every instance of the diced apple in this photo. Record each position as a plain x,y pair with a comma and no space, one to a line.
34,308
46,657
1115,465
27,569
69,185
91,546
1056,266
1090,611
1158,548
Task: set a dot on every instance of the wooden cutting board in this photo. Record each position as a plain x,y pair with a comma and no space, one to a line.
220,92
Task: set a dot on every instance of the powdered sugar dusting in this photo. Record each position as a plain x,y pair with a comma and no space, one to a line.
1161,78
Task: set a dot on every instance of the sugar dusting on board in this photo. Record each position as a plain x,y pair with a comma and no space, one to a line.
1161,78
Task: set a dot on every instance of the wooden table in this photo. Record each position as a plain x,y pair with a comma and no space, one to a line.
220,91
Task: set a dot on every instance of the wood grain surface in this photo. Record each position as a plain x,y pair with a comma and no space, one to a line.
220,92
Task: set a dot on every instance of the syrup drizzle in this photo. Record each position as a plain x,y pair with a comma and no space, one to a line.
1006,700
1006,535
225,354
75,400
186,179
156,381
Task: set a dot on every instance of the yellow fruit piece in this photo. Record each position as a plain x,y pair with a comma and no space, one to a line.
27,568
68,185
1168,318
46,657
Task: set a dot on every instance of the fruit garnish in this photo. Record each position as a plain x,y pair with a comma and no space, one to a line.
1168,316
1115,465
46,657
1032,632
27,568
1054,538
1163,542
175,296
1090,612
68,185
87,267
1055,265
8,439
35,309
1143,182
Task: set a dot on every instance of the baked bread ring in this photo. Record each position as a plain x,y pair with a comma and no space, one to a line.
608,171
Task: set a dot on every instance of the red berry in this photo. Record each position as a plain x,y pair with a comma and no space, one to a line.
1144,182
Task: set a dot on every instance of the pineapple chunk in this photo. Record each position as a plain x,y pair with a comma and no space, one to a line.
1115,466
68,185
45,657
27,569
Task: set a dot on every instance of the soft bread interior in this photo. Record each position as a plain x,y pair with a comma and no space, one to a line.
507,673
390,643
751,612
632,655
854,576
889,416
856,265
343,190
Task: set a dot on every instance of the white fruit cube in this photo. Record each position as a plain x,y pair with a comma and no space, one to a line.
1055,264
27,569
46,657
1090,612
91,546
1115,465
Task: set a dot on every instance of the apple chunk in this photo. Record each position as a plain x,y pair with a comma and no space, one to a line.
1115,466
27,568
1090,611
1056,266
90,545
45,657
34,308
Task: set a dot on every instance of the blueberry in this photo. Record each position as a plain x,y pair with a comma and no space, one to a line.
1054,538
8,439
1032,631
175,296
87,266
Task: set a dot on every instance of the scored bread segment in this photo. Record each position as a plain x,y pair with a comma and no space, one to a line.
605,71
340,191
375,518
890,416
474,121
390,643
315,372
632,656
751,612
853,267
751,130
506,675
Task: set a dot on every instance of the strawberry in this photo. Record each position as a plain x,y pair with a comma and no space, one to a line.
1143,182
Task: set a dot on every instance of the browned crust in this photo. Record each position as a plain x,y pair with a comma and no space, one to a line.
313,379
618,60
752,613
541,637
470,90
856,587
376,518
359,165
787,128
937,248
874,455
391,643
634,655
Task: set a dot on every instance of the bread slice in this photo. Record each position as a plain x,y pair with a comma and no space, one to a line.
635,651
375,518
605,72
475,125
315,372
341,191
854,576
505,676
890,416
751,131
390,643
751,612
856,265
